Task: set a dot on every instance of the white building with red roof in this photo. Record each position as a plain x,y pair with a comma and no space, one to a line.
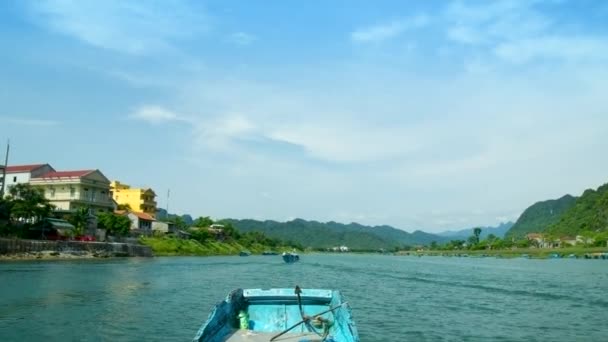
70,190
17,174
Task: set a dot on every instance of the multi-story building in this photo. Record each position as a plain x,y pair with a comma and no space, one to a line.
17,174
69,190
138,199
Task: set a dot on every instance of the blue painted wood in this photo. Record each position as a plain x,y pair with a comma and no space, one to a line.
271,311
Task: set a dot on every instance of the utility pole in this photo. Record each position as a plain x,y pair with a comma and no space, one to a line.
168,193
8,145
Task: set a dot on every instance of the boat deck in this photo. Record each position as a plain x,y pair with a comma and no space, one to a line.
256,336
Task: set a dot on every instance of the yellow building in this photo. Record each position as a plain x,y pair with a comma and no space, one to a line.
138,199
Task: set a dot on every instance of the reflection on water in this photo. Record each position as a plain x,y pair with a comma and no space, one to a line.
393,298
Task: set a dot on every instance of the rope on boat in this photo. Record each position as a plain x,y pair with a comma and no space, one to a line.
307,319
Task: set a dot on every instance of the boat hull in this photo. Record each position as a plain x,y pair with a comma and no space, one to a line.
290,257
260,315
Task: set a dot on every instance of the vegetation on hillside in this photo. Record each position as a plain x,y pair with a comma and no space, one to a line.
317,235
540,216
204,240
589,214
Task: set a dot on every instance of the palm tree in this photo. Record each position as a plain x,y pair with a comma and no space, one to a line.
81,218
477,232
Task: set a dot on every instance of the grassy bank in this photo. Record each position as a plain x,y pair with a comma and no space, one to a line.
539,253
169,246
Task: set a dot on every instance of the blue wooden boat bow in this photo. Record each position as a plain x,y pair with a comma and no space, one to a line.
303,315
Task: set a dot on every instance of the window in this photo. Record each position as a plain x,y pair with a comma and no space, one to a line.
15,179
52,191
72,192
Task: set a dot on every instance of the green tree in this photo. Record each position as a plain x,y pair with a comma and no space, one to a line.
203,222
178,222
230,231
472,241
116,225
477,233
81,218
28,204
200,234
5,217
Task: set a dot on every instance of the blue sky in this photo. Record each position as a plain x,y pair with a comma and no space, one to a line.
425,115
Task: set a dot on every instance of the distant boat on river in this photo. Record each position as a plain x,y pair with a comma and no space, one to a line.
290,257
245,253
281,315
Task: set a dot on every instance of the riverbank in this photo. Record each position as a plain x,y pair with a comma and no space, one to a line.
18,249
170,246
53,255
536,253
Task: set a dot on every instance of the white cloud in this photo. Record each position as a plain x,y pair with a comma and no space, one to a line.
382,32
242,38
222,132
154,114
128,26
347,142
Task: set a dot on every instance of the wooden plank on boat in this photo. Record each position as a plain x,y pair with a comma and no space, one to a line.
255,336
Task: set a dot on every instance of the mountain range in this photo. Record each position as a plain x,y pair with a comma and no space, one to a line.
567,215
330,234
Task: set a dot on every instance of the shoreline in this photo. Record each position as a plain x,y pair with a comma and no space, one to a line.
54,255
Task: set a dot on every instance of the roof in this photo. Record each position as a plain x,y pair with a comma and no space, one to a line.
57,223
66,174
143,216
23,168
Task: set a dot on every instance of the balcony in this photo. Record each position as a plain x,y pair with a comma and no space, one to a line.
149,203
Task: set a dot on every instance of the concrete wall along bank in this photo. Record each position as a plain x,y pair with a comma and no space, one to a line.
14,246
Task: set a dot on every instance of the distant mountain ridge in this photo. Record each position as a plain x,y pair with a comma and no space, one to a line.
463,234
325,235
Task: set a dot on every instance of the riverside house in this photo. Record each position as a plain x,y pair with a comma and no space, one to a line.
141,223
17,174
70,190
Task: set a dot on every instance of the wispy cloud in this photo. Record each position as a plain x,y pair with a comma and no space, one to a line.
382,32
242,38
155,114
128,26
28,121
518,32
561,48
223,132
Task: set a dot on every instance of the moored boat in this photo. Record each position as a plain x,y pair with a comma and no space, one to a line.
290,257
280,315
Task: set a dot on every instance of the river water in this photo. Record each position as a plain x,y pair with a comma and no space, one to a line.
393,298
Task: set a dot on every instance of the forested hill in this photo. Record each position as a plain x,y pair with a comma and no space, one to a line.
588,214
540,216
324,235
